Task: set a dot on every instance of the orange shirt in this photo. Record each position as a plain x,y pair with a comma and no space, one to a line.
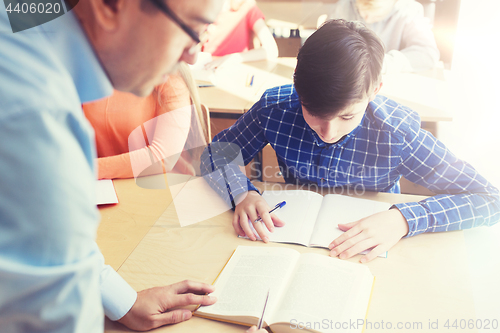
133,132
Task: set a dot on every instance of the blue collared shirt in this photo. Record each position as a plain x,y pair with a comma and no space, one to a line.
387,144
52,275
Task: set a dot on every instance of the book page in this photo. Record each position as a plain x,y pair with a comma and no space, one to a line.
325,290
203,77
105,192
242,287
299,214
337,209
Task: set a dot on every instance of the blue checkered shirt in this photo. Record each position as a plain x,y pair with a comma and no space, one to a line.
387,144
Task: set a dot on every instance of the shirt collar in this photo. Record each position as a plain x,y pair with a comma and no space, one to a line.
78,57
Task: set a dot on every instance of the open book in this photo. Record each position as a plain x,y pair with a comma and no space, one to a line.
204,77
305,290
312,219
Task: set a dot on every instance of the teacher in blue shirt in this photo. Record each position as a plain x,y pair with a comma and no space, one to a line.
52,275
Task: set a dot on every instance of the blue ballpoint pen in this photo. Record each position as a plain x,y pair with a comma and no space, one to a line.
278,206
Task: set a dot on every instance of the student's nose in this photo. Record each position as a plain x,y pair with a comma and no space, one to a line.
329,130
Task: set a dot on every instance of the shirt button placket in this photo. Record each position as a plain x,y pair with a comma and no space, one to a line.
324,166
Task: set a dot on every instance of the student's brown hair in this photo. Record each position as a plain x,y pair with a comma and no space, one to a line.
338,65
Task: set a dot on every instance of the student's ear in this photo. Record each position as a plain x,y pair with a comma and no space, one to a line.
376,91
107,13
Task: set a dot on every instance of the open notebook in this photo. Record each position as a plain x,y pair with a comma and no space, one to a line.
303,288
312,219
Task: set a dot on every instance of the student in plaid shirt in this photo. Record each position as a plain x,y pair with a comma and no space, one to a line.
331,129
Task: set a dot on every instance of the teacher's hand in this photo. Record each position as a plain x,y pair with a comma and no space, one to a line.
154,307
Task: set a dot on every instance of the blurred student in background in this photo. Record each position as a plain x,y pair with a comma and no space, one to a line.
231,37
139,136
409,42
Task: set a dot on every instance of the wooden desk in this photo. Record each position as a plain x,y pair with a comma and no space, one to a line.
424,277
232,96
231,93
124,225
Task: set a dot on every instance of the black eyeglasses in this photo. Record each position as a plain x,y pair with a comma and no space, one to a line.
167,11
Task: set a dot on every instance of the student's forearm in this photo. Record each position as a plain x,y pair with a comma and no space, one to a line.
251,55
112,167
396,62
223,173
421,57
230,150
451,212
464,198
120,166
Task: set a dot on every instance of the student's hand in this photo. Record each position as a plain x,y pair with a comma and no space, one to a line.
154,307
380,231
253,329
253,206
218,62
215,63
